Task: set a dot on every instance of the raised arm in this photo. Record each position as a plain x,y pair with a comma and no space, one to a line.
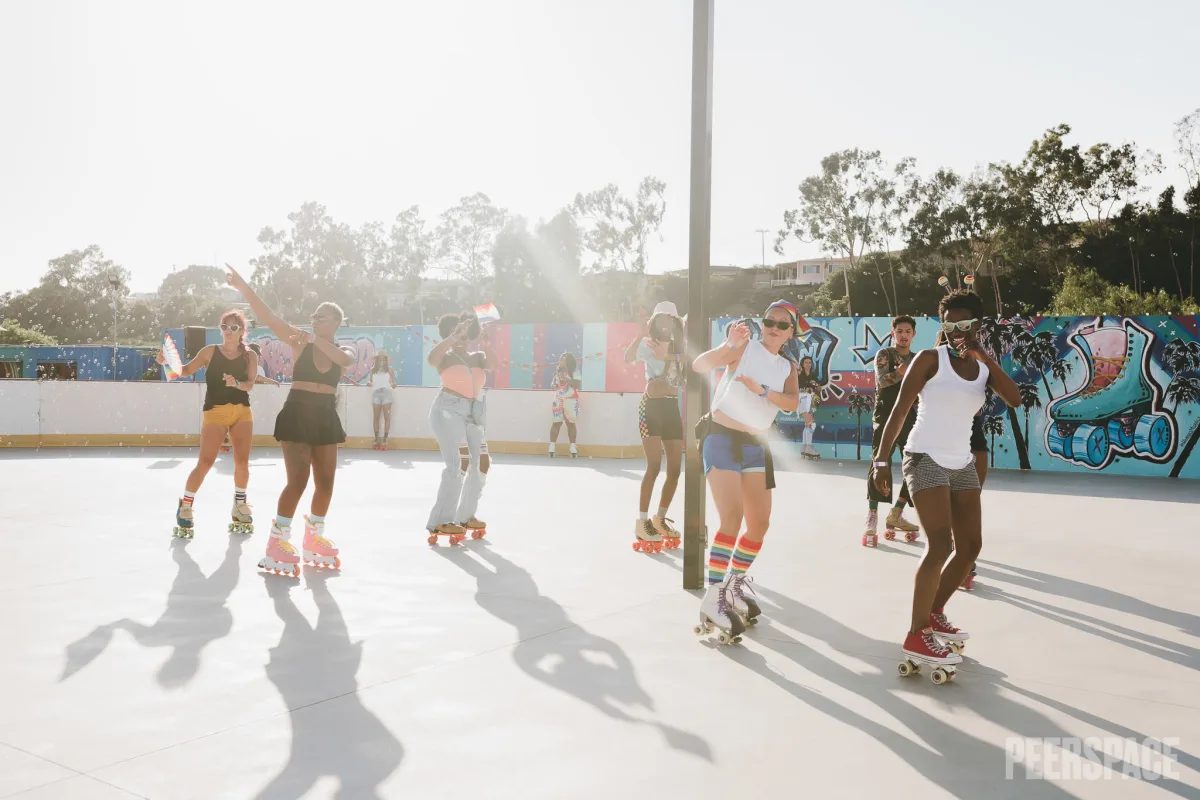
631,352
441,348
196,364
726,354
262,312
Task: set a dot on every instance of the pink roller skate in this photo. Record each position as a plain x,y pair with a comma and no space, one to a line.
281,556
319,551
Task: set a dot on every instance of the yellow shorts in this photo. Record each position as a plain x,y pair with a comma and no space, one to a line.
228,415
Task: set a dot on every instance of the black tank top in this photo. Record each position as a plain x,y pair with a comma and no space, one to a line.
216,392
305,369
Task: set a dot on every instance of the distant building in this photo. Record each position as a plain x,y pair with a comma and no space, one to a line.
804,272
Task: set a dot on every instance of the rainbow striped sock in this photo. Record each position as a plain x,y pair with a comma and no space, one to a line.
718,557
744,555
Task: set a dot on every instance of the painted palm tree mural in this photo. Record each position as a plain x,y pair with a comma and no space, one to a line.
1182,360
1035,353
860,402
999,338
993,426
1029,399
1060,369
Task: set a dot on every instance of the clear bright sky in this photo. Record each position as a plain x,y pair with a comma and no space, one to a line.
169,133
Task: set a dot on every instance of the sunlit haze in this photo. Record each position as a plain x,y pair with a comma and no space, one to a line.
171,133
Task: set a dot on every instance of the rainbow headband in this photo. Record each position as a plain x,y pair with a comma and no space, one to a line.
801,324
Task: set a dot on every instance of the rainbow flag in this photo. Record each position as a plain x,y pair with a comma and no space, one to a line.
174,366
487,313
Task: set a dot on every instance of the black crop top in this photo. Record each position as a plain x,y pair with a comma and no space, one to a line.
216,392
305,369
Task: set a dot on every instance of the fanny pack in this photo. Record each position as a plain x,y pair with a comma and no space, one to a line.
708,426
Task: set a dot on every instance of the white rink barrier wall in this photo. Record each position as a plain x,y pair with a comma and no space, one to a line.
144,414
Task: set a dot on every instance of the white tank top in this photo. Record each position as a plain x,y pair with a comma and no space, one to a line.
381,380
768,371
947,409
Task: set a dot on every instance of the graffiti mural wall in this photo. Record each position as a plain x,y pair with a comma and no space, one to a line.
1111,394
1114,394
528,354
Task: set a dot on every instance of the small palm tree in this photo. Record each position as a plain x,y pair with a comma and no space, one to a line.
1060,369
1180,391
860,402
1029,399
993,426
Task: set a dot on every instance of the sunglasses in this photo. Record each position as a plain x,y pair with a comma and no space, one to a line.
782,325
233,326
965,325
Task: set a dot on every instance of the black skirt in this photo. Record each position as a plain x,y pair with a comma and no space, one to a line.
309,418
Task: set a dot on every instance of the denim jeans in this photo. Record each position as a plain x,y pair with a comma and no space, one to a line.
454,419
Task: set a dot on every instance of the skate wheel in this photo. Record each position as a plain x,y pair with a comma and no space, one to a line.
957,647
637,546
698,630
432,539
905,669
1089,445
658,547
911,536
723,639
889,535
939,676
1153,436
337,563
456,539
476,535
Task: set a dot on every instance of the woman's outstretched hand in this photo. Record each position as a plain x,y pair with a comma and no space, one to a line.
882,478
234,279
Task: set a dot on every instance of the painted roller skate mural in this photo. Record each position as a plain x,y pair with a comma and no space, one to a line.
1118,408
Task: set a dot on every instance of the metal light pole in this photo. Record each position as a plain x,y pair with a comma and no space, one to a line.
762,234
695,533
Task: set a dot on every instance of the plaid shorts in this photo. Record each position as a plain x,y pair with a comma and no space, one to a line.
922,472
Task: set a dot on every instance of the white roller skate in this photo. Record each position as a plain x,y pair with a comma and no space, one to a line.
646,538
184,523
319,551
243,519
870,535
281,557
550,452
716,612
574,452
746,607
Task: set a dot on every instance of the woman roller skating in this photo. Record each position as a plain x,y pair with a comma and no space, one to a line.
308,430
458,413
810,398
228,380
661,349
951,382
383,385
759,382
566,402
